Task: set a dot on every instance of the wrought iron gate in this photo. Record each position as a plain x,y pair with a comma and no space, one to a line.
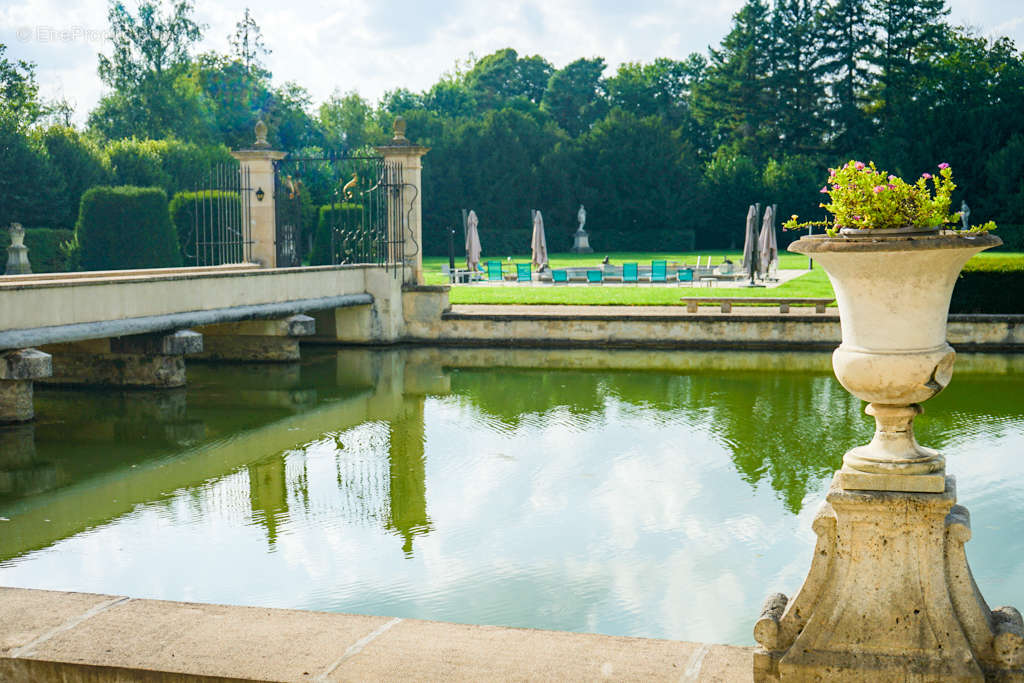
220,216
340,210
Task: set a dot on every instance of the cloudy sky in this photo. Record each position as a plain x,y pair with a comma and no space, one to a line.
375,45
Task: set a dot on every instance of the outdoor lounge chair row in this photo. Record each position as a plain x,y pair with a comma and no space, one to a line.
630,273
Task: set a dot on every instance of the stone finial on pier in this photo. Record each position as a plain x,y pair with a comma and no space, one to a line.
261,135
17,253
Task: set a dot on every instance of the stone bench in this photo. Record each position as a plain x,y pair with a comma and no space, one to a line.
726,302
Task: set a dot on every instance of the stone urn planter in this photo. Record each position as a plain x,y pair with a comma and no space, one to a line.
893,289
889,594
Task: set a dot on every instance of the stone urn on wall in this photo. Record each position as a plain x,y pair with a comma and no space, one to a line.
893,293
889,594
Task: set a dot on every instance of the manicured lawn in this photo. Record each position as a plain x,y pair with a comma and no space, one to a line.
812,284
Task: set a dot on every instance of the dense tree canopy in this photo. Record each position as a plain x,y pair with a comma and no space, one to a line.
659,152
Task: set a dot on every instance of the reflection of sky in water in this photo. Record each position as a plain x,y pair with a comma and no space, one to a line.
626,503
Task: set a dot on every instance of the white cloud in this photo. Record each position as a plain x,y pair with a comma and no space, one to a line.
376,46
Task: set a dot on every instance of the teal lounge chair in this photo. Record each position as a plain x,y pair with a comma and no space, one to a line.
659,271
494,270
630,272
523,273
559,277
685,275
595,277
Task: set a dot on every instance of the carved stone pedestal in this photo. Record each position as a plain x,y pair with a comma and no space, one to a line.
581,242
889,596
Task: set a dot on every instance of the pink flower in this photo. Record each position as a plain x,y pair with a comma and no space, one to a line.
831,173
860,166
824,190
878,188
892,187
892,178
926,176
943,165
835,187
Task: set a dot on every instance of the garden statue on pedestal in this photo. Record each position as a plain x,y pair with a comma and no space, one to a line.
889,594
17,253
581,240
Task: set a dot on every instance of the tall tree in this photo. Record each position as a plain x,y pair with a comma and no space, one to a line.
503,75
735,99
797,78
150,53
907,30
575,95
348,122
247,43
19,92
847,48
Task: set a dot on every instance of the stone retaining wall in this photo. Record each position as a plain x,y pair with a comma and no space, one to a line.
672,327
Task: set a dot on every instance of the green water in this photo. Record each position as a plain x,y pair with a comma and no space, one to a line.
660,494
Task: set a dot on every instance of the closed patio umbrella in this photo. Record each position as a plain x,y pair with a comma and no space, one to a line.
539,244
472,242
750,242
767,245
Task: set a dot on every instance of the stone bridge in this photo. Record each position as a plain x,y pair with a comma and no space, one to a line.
134,328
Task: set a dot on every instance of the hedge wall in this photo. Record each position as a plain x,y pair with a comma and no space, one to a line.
332,214
43,248
990,285
209,206
126,227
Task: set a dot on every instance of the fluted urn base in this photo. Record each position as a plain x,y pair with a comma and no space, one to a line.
893,461
889,596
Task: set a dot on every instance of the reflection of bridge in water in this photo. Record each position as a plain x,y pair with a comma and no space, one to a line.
367,406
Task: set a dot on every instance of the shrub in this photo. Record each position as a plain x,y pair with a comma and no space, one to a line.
990,285
126,227
30,192
349,215
205,212
43,248
79,163
171,164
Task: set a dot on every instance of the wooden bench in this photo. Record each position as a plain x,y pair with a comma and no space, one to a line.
726,302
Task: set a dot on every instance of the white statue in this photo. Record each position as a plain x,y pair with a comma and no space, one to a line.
581,216
965,213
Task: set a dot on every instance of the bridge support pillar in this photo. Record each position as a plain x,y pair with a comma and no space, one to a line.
154,361
256,340
18,369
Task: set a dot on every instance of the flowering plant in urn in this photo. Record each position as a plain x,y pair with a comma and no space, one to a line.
893,268
863,198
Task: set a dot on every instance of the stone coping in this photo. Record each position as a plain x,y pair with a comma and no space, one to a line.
58,636
672,313
89,278
627,313
946,239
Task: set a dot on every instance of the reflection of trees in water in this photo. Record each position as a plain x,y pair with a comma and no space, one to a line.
791,428
509,394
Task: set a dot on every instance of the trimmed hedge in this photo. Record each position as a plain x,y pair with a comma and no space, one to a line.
126,227
171,164
43,248
990,285
332,214
208,206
